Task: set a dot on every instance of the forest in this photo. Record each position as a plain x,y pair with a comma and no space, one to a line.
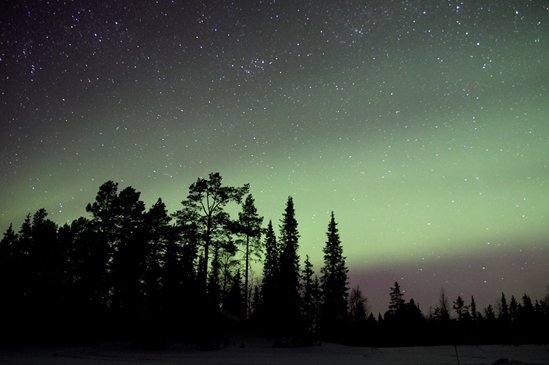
125,272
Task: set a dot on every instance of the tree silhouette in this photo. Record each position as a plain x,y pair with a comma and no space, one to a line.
442,313
128,264
311,300
461,309
128,273
157,238
396,303
234,303
334,282
503,309
46,266
269,286
204,207
288,274
473,309
104,223
249,224
10,282
357,306
87,257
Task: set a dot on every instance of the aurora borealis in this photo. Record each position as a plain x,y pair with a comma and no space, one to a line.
422,124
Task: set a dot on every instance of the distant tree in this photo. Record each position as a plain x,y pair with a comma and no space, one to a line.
526,311
489,313
442,313
513,308
257,302
249,224
396,302
334,280
357,305
503,314
412,312
461,309
311,299
473,309
234,301
288,271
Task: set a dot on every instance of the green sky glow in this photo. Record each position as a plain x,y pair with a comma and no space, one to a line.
424,127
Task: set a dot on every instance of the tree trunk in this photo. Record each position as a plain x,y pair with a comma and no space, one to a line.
246,278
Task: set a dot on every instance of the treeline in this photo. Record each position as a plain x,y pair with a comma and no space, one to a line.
449,322
127,272
131,272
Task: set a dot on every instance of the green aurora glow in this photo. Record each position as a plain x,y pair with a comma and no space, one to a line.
427,134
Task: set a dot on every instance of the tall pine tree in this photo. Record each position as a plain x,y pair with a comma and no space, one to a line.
334,282
311,299
205,207
269,285
288,275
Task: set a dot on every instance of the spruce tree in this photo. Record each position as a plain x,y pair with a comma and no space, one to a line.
503,309
396,302
473,309
288,273
334,281
311,299
513,308
269,285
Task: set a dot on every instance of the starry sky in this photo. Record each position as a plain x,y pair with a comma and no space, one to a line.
422,124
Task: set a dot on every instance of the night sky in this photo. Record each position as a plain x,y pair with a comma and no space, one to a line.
424,125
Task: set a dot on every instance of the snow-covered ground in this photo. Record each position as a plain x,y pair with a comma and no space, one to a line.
263,354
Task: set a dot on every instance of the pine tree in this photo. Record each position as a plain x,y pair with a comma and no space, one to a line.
396,302
157,230
270,285
104,226
489,313
272,258
128,264
513,308
249,224
311,298
334,281
473,309
503,309
288,272
205,207
87,256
